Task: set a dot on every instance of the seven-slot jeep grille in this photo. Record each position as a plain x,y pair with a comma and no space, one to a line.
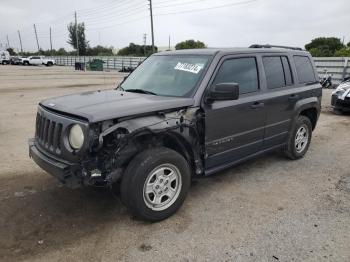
48,134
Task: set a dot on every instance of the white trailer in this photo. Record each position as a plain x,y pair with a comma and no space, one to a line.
4,57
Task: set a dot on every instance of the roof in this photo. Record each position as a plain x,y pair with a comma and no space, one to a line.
213,51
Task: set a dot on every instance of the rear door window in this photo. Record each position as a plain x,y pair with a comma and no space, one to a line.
277,71
304,69
242,71
274,72
287,71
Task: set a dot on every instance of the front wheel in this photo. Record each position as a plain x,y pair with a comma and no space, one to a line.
299,138
155,184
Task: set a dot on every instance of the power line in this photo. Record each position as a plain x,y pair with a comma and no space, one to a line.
208,8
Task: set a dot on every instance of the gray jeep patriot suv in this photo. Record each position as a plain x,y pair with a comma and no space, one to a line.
180,114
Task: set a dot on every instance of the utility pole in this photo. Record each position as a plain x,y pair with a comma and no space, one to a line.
36,36
8,42
151,13
20,41
144,43
169,44
76,32
50,40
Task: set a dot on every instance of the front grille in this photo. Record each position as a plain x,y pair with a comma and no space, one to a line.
48,134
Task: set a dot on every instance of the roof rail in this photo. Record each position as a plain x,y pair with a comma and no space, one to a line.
276,46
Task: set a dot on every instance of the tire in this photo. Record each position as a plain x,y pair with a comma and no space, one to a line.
25,63
49,64
299,139
152,167
4,62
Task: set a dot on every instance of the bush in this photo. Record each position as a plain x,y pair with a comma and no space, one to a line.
344,52
136,50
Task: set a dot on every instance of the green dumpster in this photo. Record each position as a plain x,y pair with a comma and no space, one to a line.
96,65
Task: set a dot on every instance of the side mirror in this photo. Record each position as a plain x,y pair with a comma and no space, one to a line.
224,91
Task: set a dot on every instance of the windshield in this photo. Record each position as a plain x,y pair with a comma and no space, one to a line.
167,75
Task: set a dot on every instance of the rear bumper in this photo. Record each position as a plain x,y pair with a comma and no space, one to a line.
340,104
67,173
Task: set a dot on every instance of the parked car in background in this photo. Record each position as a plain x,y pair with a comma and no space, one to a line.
180,115
15,60
341,97
38,60
4,57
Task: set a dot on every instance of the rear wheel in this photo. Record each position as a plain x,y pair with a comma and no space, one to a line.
155,184
49,64
25,63
299,139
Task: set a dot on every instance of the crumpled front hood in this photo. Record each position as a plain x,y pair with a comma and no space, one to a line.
110,104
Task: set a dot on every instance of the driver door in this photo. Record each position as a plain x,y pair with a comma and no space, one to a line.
234,129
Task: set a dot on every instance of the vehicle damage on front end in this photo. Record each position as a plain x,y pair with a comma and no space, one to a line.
89,138
108,146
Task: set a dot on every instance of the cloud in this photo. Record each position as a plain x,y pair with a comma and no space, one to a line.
265,21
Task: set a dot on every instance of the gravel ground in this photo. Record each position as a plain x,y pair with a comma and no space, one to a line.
269,209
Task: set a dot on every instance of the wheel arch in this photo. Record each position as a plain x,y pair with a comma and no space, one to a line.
309,107
168,139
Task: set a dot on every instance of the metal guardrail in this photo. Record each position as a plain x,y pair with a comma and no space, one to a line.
110,62
338,67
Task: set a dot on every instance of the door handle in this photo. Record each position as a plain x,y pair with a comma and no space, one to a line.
293,97
257,105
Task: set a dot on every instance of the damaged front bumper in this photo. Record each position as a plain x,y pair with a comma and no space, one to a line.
68,173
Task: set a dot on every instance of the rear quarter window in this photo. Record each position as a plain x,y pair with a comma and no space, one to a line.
304,69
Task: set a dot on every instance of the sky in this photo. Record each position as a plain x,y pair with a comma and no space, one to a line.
218,23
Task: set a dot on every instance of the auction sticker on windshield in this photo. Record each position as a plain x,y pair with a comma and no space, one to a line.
192,68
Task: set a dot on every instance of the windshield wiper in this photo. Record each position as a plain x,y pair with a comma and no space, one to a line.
119,87
141,91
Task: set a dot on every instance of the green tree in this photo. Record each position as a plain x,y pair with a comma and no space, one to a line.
72,39
190,44
348,44
136,50
11,51
324,46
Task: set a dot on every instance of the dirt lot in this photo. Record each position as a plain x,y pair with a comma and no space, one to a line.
270,209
